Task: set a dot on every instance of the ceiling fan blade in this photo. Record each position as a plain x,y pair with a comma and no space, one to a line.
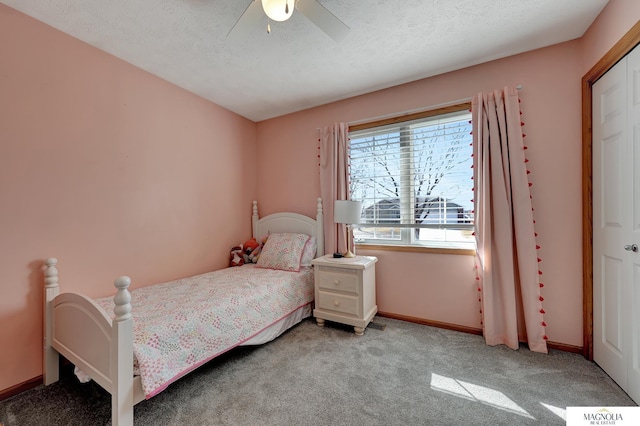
325,20
249,20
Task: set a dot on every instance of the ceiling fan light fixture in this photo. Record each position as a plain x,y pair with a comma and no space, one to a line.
278,10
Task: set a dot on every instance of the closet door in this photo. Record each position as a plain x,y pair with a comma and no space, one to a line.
611,221
616,223
633,118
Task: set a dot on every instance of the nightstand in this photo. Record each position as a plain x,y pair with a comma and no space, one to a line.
345,290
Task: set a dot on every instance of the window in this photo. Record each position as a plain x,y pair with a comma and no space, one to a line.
413,175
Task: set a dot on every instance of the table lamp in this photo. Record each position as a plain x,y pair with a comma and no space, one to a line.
347,212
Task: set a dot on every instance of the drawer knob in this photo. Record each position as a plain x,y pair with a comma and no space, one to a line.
336,282
336,303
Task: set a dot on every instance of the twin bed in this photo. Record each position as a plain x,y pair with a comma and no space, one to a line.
137,343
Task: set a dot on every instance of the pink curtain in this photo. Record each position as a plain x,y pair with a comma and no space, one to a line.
334,182
507,261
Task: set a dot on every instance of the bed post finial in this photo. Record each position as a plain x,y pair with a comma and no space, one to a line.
320,228
122,299
51,273
121,356
50,358
254,220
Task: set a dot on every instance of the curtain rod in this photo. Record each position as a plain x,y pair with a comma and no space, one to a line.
518,87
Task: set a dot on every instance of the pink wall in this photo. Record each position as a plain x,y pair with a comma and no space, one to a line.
612,23
442,287
111,170
115,172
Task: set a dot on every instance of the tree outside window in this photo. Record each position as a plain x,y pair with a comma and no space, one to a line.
415,180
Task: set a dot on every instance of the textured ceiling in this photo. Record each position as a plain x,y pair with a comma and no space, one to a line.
297,66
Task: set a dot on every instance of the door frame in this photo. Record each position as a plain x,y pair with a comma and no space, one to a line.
625,45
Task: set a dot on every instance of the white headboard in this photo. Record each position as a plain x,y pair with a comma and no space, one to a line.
290,222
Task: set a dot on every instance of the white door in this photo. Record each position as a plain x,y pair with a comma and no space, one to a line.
633,114
616,223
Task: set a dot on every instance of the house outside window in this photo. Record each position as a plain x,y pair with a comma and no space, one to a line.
413,175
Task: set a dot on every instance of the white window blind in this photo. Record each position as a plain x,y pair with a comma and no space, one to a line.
413,175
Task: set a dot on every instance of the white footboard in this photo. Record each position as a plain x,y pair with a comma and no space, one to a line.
77,328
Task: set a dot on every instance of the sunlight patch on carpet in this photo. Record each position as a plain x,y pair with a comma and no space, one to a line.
560,412
478,393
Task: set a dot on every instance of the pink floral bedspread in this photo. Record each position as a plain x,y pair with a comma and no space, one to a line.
180,325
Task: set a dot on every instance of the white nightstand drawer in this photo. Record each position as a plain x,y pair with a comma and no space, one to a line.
346,281
338,303
345,290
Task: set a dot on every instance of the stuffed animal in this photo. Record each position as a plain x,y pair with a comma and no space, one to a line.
236,257
250,245
251,251
255,254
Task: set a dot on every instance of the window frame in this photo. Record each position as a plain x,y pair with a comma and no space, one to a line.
407,243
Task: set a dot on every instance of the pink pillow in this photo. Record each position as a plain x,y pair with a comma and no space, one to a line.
309,252
283,252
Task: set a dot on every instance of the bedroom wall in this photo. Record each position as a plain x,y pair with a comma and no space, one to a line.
441,287
115,171
612,23
109,169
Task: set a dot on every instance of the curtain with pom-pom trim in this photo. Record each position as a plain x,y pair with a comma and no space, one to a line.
334,182
507,262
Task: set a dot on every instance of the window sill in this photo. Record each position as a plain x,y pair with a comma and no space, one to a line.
417,249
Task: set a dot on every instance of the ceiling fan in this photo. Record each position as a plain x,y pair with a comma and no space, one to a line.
281,10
